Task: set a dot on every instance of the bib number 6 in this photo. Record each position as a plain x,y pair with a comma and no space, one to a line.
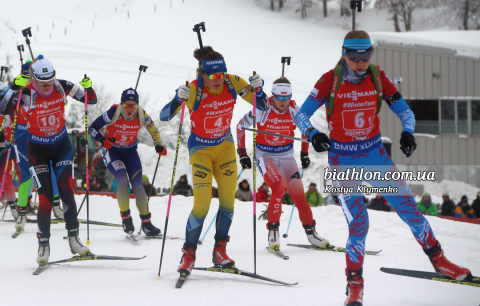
359,120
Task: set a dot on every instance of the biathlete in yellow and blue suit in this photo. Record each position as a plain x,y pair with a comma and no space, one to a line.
211,99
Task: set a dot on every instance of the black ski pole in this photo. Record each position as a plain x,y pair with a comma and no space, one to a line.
285,59
20,50
141,68
94,177
150,191
355,5
197,28
4,68
171,186
26,33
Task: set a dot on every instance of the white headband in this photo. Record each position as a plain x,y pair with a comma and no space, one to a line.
282,89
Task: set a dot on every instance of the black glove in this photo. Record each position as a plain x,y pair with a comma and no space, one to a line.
244,159
305,160
407,144
320,142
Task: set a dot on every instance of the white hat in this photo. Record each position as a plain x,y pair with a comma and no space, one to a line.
43,69
282,89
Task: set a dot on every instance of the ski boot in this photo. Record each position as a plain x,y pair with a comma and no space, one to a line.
76,245
354,288
43,250
188,258
13,208
220,257
313,236
147,227
57,210
273,236
445,267
127,222
22,218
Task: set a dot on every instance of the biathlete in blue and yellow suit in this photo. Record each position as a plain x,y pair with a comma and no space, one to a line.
123,123
211,100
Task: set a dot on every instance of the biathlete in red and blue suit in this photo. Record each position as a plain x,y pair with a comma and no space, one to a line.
48,145
353,93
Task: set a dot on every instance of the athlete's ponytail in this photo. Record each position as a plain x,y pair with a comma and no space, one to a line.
205,53
281,80
354,34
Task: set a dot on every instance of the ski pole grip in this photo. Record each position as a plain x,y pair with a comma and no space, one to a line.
20,48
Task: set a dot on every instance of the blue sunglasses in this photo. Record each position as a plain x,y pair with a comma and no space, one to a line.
283,98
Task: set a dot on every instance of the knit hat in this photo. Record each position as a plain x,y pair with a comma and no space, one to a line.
130,95
144,178
26,67
313,185
445,194
464,199
43,70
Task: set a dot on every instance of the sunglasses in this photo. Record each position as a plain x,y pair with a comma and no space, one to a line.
283,98
44,84
356,56
134,106
216,76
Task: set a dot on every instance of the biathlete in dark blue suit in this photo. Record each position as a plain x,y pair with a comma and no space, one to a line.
123,123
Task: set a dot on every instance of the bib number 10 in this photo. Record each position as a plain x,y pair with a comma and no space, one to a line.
47,121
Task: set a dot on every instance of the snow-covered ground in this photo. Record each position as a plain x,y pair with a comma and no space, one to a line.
320,274
103,42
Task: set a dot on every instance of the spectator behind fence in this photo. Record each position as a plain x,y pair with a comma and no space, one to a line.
448,207
463,210
149,189
96,181
476,205
287,199
379,203
426,206
314,198
182,187
243,192
262,193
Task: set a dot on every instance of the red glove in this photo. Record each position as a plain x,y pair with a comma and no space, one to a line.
108,143
161,150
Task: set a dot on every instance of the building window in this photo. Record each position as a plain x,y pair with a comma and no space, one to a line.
447,111
475,111
446,116
426,115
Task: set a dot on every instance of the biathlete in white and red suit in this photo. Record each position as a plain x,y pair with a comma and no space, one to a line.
49,147
123,123
275,160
